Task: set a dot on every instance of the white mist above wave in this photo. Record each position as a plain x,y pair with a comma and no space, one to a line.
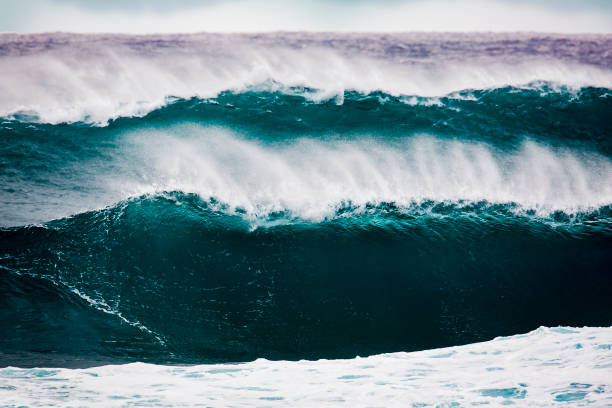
66,78
311,178
546,367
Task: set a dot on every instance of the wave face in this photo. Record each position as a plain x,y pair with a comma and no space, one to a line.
527,370
191,282
222,198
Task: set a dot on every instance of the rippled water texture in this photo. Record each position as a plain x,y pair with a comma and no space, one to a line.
265,198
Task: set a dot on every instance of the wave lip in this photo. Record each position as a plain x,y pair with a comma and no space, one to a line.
72,78
471,374
314,178
311,179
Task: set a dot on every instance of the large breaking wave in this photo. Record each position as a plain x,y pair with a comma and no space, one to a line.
201,198
176,279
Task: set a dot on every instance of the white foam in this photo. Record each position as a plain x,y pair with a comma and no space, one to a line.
546,367
102,306
94,79
311,178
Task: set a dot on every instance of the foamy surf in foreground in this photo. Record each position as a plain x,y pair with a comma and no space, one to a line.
547,367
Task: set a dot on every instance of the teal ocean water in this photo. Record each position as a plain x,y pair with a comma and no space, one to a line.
213,199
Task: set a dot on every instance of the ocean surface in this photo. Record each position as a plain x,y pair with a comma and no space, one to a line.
300,219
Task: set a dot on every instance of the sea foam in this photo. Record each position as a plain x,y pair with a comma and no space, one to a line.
312,178
57,78
546,367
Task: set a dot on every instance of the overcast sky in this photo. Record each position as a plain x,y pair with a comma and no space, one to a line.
165,16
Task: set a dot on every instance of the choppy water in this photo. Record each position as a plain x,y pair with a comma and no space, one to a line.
193,199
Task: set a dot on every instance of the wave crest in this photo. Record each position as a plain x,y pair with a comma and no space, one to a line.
311,178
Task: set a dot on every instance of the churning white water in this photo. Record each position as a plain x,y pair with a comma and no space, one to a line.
311,178
69,78
544,368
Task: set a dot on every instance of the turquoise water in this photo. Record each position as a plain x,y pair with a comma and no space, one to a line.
175,200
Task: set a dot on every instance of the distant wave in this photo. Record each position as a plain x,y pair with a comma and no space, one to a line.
279,108
311,178
305,178
89,78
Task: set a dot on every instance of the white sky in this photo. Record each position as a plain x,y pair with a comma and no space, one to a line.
155,16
